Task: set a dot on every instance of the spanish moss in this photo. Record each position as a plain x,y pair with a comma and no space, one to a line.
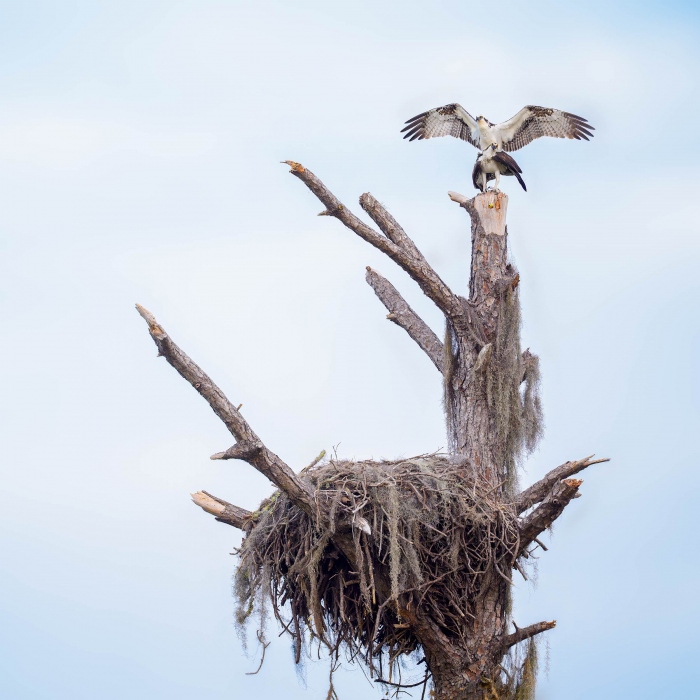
438,538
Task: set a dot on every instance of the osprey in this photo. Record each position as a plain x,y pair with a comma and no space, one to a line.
491,164
527,125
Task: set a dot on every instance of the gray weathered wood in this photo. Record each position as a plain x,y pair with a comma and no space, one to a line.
471,429
459,671
405,256
404,316
223,511
548,511
244,450
264,460
523,633
388,225
540,489
471,331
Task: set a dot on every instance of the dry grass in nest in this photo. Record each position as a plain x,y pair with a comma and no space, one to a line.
426,532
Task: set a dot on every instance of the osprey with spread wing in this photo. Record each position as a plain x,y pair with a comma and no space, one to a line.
528,124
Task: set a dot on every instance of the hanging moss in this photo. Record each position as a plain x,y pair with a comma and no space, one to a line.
437,539
448,398
526,679
433,533
517,413
533,418
518,679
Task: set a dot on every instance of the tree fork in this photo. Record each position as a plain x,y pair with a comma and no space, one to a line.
540,489
461,670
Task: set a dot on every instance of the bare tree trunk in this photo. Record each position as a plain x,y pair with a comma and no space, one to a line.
487,428
472,432
470,426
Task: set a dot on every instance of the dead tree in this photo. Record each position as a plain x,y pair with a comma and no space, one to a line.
387,559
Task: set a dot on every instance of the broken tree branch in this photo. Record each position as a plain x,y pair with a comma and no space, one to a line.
461,199
404,253
387,223
223,511
244,450
539,490
404,316
547,512
263,459
521,634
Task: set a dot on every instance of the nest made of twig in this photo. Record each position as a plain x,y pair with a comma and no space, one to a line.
426,532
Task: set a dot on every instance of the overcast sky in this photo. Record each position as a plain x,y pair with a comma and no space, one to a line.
140,144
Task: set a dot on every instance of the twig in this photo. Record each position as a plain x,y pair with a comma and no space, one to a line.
425,683
262,658
332,695
524,633
399,685
520,570
320,456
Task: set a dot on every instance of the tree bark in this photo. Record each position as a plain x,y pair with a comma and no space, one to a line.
459,674
470,427
259,457
405,317
460,671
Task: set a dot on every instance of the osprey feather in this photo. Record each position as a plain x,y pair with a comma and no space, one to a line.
528,124
491,164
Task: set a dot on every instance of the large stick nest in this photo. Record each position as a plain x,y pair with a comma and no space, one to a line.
427,533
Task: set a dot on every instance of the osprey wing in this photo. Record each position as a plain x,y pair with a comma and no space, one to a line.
503,158
512,167
475,174
450,120
531,122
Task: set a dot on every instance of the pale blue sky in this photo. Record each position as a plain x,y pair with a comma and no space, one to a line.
139,162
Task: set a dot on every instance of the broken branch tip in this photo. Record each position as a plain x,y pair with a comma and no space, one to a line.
150,319
295,167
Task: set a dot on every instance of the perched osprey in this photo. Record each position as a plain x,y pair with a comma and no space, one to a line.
527,125
491,164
